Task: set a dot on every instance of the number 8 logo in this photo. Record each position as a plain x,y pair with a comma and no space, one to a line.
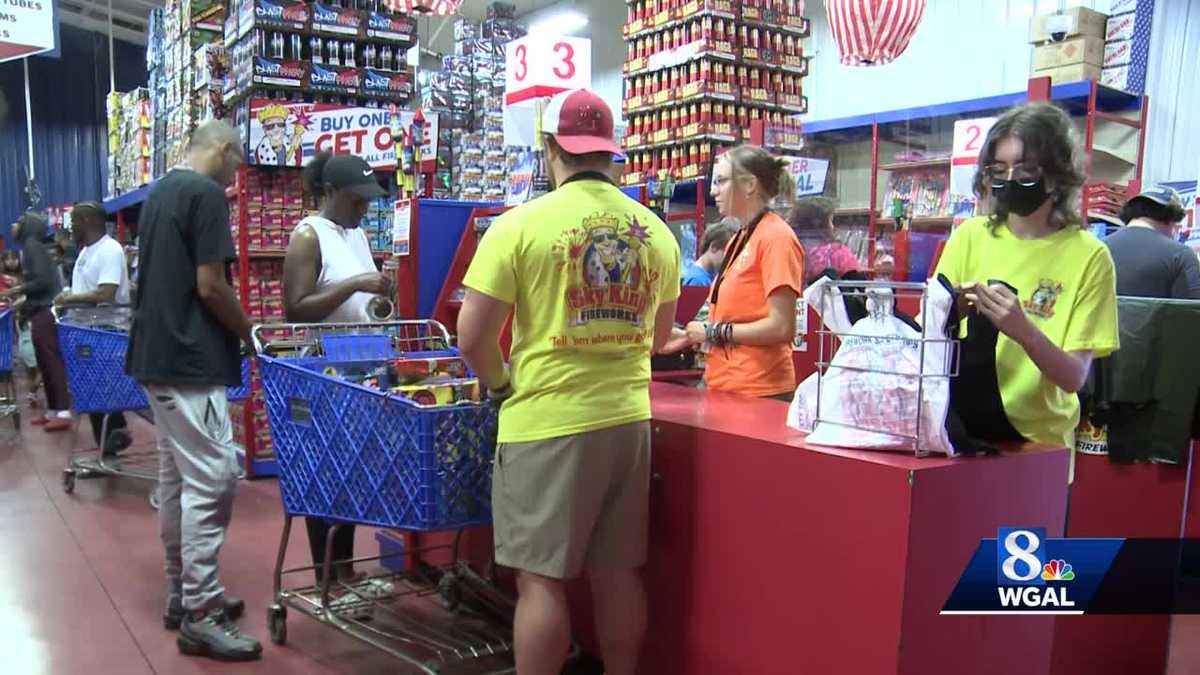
1024,554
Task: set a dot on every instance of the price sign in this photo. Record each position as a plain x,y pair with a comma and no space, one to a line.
969,136
810,175
541,65
401,227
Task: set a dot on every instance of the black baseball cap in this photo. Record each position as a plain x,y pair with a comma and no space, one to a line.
350,172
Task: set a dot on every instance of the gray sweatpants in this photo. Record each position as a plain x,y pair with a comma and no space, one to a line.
197,479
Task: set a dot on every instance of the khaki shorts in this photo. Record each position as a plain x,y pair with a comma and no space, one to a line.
563,505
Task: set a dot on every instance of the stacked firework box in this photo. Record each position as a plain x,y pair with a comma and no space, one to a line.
130,140
187,68
469,97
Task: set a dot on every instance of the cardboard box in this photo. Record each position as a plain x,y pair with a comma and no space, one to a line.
1073,73
1118,53
1122,6
1128,78
1084,21
1129,26
1084,49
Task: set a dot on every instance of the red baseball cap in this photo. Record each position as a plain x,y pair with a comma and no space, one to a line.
580,122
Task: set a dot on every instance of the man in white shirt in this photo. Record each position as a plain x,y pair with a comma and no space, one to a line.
100,276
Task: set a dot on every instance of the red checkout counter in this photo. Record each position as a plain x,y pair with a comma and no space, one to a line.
770,556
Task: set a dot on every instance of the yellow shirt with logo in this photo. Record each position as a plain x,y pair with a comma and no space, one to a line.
586,269
1067,285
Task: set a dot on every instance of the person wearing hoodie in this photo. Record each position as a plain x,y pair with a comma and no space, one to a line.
40,284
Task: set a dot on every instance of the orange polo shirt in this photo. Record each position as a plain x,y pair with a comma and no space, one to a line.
772,259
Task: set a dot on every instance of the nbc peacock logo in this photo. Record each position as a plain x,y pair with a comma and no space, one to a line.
1058,570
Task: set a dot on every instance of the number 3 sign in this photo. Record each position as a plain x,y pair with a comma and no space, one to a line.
541,65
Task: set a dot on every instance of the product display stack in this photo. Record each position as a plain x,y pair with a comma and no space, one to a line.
1127,45
186,73
699,72
130,142
468,96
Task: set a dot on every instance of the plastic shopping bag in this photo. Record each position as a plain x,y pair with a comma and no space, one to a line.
872,392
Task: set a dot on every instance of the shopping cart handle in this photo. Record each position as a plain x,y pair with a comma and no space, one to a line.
310,334
59,311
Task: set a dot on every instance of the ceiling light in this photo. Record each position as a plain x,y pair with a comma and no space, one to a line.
561,23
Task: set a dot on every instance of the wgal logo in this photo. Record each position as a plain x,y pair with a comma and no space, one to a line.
1022,571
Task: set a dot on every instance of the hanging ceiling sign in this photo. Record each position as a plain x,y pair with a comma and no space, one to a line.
544,64
27,27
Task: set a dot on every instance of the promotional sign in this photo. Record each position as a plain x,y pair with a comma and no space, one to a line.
289,134
401,226
27,27
330,20
541,65
520,180
810,174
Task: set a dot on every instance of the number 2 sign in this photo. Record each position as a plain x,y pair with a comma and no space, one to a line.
969,136
542,65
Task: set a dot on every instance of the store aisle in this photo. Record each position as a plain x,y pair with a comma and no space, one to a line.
84,574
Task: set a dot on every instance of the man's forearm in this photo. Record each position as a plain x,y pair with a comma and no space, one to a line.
223,303
488,363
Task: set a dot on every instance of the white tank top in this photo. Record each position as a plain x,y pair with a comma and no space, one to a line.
345,253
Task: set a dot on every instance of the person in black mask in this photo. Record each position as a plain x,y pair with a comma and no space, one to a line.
1063,312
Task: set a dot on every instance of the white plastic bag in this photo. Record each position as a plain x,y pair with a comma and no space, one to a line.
859,408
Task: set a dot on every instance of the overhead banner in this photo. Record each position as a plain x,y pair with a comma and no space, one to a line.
289,134
27,27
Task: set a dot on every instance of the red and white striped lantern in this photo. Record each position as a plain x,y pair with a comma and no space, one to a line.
425,7
873,32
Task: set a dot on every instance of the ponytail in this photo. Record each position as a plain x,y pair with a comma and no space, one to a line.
313,175
772,173
786,194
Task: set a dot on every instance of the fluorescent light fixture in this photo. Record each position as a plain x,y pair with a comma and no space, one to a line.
560,23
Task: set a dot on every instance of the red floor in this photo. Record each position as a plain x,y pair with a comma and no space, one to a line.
85,576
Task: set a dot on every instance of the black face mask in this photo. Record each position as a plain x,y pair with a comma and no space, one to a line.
1021,199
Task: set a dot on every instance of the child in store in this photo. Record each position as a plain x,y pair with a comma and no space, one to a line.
10,275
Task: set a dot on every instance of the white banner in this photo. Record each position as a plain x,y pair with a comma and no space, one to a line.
27,27
289,134
810,174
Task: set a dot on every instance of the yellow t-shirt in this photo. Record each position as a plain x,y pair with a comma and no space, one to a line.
586,269
1068,287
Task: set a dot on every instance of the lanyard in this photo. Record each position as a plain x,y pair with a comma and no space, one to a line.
735,249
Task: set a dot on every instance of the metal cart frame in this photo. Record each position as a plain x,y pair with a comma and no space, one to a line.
93,340
433,617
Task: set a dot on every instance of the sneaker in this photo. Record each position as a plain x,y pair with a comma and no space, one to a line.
217,637
57,424
118,440
351,605
234,608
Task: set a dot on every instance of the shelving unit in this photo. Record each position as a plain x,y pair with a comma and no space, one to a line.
698,73
1111,124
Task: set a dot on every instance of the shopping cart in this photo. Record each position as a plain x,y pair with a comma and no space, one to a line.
353,454
8,386
93,341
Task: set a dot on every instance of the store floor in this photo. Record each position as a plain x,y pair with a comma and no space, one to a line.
83,591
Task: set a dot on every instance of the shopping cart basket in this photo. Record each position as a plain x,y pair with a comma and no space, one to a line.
353,454
8,387
93,341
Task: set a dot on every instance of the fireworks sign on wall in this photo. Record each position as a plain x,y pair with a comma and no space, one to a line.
873,32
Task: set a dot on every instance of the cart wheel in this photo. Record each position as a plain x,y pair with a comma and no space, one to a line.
154,499
449,591
68,481
277,623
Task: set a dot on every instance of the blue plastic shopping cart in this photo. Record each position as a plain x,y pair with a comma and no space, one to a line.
353,454
93,341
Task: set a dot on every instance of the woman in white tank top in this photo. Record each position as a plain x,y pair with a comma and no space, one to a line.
329,276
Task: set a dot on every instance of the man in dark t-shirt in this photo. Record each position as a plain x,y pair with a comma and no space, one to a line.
1150,262
184,349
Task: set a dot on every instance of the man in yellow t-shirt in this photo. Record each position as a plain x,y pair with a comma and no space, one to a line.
590,277
1066,286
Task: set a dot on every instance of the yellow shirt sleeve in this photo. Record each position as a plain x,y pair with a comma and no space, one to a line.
670,280
954,255
493,270
1093,326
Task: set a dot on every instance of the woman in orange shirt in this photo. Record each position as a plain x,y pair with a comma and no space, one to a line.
752,316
